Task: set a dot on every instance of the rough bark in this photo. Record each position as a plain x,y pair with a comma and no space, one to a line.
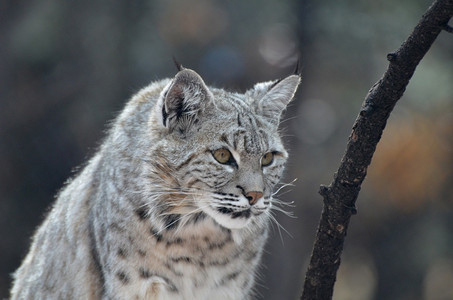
340,196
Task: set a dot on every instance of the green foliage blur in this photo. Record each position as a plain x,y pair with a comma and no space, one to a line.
68,67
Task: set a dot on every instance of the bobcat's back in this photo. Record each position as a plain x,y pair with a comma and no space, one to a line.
175,204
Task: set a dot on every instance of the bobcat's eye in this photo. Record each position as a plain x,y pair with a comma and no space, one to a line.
267,159
223,156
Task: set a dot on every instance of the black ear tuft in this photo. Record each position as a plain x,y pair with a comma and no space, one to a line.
178,64
297,71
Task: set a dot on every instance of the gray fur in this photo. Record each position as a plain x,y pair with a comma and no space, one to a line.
154,215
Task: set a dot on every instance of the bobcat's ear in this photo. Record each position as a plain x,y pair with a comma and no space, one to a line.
183,101
272,97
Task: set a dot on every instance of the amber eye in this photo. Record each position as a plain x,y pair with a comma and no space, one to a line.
222,155
267,159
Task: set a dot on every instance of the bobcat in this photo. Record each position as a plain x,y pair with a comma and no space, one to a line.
174,205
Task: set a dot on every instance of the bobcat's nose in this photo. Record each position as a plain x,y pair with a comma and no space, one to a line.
253,197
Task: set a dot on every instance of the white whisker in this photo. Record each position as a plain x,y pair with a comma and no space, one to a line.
283,186
287,213
279,226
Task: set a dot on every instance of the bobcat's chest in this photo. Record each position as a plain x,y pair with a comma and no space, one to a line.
195,262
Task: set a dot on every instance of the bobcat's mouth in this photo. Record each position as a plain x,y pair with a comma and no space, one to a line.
233,218
235,214
229,218
232,211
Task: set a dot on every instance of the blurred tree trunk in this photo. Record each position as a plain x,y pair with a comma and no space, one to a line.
340,196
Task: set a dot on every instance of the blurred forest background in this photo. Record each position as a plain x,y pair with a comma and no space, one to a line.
68,67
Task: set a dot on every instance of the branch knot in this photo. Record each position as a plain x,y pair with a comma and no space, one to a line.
391,57
324,190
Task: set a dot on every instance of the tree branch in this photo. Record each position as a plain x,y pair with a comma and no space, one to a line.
340,196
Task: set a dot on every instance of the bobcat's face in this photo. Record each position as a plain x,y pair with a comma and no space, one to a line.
224,149
234,174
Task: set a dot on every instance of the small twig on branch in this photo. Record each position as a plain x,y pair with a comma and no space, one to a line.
340,196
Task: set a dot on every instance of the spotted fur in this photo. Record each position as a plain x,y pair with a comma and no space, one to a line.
154,214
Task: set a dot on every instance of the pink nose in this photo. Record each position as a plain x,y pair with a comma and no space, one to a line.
253,197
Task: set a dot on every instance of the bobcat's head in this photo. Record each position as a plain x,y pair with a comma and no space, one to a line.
222,149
